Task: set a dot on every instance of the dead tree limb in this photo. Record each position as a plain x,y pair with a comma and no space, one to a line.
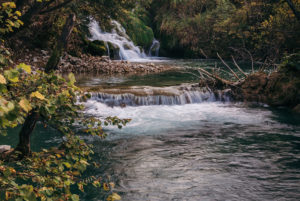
215,77
203,53
238,67
235,75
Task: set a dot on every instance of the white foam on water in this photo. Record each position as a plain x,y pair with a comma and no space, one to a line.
154,119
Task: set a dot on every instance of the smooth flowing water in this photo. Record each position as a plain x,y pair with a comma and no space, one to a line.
205,149
209,149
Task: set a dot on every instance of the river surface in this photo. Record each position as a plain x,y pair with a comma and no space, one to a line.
211,149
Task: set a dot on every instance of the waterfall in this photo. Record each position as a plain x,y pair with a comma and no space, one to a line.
118,38
185,97
154,48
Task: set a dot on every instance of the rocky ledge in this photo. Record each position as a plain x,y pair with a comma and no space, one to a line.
91,64
94,64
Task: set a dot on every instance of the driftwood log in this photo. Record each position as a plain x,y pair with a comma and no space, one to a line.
280,88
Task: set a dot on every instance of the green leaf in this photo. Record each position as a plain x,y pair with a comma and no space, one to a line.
72,79
25,67
75,197
68,165
12,75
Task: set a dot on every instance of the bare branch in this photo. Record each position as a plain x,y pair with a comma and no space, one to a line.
235,75
238,67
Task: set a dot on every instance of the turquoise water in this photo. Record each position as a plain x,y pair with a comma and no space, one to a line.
211,150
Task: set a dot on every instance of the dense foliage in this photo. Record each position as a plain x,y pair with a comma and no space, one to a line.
29,95
200,28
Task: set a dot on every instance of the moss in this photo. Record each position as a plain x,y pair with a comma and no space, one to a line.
95,48
139,33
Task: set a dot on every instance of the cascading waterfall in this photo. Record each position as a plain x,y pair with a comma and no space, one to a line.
185,97
118,38
154,48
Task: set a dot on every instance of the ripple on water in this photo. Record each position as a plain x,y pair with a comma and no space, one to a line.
208,151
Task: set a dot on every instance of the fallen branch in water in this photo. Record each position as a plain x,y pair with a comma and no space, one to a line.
235,75
238,67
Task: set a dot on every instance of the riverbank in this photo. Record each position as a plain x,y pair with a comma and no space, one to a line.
91,64
278,89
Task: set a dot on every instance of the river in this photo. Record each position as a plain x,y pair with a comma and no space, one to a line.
207,148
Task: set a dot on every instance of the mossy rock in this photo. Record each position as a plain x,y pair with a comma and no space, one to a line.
138,32
114,51
96,48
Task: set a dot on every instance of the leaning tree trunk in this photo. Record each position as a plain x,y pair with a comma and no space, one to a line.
25,133
31,120
61,44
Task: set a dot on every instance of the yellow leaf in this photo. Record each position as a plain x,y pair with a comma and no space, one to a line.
37,95
25,67
105,187
25,105
2,79
8,195
18,13
114,197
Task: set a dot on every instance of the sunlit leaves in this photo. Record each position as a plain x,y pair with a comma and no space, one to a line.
56,102
113,197
9,18
12,75
25,67
2,79
25,105
72,79
37,95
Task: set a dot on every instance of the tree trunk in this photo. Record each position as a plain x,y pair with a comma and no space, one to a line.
292,6
25,133
20,4
61,44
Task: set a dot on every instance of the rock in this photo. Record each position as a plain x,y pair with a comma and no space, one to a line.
96,48
4,148
44,52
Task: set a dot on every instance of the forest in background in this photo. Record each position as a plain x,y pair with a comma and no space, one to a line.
268,30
